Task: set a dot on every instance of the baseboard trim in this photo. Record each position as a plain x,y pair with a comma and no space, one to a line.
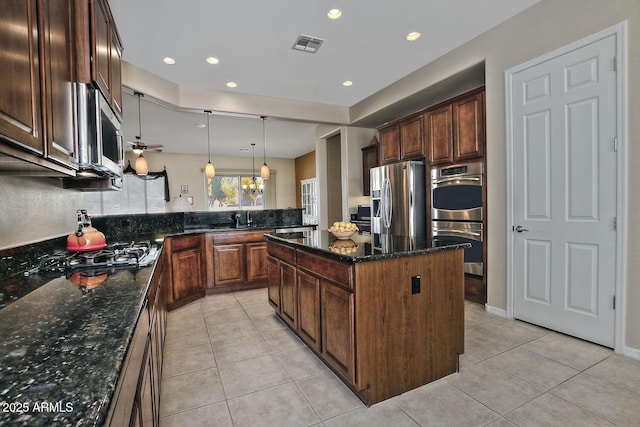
632,353
495,311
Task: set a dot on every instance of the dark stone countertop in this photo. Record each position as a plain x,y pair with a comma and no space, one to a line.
63,346
360,247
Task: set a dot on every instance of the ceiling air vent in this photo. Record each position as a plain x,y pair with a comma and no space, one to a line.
307,43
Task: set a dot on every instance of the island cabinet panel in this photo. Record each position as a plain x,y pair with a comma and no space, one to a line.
308,290
288,294
386,325
273,282
337,329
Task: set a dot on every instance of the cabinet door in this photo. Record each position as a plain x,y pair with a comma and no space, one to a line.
468,131
146,391
116,73
274,282
101,48
187,273
438,124
411,139
58,40
369,160
256,261
337,328
228,264
308,290
288,301
390,144
20,99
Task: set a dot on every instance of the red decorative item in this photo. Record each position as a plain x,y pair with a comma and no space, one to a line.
86,238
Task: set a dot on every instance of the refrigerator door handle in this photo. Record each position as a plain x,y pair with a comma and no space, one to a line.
388,204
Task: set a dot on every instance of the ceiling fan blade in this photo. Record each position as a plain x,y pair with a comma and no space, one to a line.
155,146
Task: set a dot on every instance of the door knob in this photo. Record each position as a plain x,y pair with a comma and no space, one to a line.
520,228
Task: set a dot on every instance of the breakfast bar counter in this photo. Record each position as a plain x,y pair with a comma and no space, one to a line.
386,313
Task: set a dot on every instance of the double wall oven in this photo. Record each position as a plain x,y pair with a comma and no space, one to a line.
457,211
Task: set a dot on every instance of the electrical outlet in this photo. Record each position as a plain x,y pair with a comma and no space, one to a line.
415,285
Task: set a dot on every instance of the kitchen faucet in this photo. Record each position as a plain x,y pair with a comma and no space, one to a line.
237,220
249,220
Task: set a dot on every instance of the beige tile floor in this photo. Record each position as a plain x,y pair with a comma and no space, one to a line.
230,362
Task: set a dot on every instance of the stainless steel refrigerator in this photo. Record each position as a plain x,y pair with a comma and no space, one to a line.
398,201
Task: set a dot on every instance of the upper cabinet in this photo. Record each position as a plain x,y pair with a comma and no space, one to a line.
402,140
369,160
106,50
47,47
455,129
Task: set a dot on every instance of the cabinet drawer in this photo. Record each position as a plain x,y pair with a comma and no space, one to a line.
182,243
240,236
336,271
285,253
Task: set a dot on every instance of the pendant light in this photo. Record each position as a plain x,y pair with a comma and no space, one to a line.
255,187
209,170
142,167
264,171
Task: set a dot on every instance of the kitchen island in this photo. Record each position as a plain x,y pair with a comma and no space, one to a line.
386,315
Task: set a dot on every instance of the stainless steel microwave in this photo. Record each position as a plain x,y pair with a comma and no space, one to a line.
100,144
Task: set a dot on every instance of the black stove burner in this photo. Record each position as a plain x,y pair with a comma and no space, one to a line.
114,255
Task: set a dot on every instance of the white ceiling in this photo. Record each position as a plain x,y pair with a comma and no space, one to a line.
253,40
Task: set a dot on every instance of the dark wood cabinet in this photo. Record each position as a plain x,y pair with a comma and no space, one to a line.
367,322
37,105
439,134
58,40
229,264
137,396
106,50
288,294
411,139
187,270
21,102
455,130
390,144
468,130
308,292
369,160
337,328
236,260
402,140
273,282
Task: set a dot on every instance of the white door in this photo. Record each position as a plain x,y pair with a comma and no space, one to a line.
564,192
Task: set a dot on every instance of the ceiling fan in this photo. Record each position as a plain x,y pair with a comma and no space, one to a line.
138,146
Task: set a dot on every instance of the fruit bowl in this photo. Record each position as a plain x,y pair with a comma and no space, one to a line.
346,246
343,230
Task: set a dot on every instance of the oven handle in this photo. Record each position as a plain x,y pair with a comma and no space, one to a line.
454,232
458,180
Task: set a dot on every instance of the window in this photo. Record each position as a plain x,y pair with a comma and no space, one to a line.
309,191
137,196
229,192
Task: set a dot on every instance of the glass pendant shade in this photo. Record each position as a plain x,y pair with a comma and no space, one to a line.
142,167
210,171
264,171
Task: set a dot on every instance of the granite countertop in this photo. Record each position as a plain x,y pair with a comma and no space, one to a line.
62,348
360,247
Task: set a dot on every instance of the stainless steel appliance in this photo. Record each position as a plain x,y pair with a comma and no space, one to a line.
100,143
456,210
398,200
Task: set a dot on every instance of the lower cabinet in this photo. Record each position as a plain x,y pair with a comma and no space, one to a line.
337,328
308,290
187,270
137,396
236,260
273,282
288,294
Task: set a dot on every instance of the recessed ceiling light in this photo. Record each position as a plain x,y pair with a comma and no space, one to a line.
347,83
199,125
334,13
213,60
232,84
168,60
414,35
